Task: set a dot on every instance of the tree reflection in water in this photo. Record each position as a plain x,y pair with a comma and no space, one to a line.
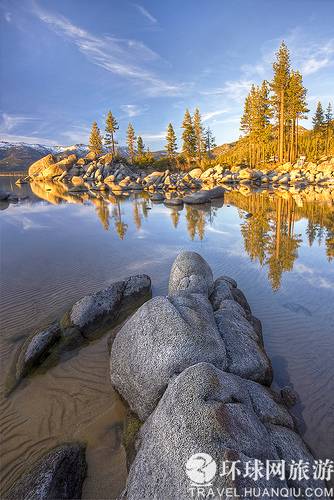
267,219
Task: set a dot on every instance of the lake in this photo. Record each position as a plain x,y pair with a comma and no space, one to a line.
58,246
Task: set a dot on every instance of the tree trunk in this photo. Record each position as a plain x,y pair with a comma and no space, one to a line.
113,144
281,128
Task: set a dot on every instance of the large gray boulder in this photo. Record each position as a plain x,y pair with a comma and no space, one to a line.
98,312
58,475
163,337
205,410
245,353
190,272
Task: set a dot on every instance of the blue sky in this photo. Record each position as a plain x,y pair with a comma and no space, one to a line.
64,63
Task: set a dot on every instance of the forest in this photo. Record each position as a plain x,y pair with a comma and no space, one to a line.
270,129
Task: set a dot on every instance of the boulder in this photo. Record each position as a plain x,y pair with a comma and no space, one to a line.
221,291
48,167
99,311
197,198
205,410
58,475
195,173
162,338
38,166
246,356
36,348
190,272
77,181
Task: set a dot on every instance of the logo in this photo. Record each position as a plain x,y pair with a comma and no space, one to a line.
201,468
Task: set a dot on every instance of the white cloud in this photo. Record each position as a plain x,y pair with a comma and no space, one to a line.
132,109
9,122
27,139
118,56
8,16
313,65
146,13
236,89
154,137
77,134
211,114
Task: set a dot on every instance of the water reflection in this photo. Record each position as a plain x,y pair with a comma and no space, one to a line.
267,218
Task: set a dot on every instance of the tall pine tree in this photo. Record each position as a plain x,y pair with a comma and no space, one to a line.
140,147
209,141
329,126
171,144
188,138
279,86
198,131
111,128
130,141
296,109
95,139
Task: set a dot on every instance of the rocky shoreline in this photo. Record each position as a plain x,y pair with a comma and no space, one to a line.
102,173
193,370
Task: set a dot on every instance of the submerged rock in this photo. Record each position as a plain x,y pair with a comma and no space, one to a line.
58,475
163,337
191,273
88,318
35,349
289,396
4,195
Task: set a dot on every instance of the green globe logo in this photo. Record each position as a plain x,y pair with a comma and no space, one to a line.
201,468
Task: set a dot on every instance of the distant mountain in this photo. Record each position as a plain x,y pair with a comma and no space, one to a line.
17,156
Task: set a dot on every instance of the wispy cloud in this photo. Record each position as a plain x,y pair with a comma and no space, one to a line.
212,114
118,56
28,139
10,122
132,109
8,16
146,13
77,134
154,137
236,90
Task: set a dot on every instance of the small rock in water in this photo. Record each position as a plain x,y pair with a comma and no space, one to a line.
289,396
58,475
35,348
3,195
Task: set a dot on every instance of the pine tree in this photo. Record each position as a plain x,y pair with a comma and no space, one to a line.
95,139
111,128
198,131
140,146
188,137
318,121
329,126
255,122
279,85
296,109
171,144
209,141
130,141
